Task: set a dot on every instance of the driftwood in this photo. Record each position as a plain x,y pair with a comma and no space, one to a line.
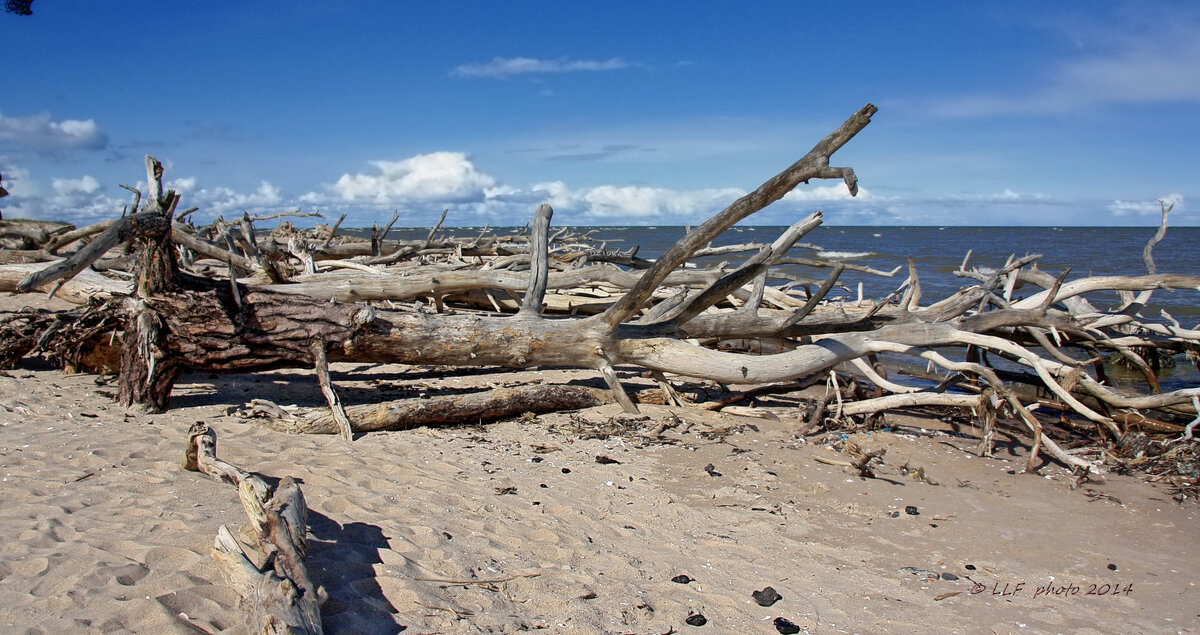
278,594
477,407
579,311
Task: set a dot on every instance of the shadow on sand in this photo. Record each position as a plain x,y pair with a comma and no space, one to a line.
341,558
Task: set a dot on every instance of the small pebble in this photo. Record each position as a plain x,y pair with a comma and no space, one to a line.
949,576
1112,567
911,510
696,619
894,514
969,567
766,597
681,579
712,470
783,625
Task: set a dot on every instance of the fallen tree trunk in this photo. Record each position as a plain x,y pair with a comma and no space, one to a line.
491,405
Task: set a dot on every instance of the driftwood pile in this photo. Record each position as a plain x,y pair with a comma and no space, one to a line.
159,297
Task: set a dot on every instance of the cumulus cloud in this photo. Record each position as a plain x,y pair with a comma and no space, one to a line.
643,203
505,67
79,200
223,200
182,185
84,186
42,133
635,204
85,200
416,185
435,177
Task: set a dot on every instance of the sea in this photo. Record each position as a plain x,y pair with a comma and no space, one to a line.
939,251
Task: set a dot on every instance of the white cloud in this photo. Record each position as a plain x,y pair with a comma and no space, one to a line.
556,194
1145,208
224,200
81,198
504,67
42,133
610,201
435,177
71,187
835,192
16,180
635,204
81,201
182,185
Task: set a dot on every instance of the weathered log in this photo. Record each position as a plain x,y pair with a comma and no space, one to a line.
490,405
359,288
279,596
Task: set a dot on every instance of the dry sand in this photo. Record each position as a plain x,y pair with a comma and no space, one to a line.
518,526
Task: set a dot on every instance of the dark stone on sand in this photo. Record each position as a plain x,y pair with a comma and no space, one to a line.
566,470
712,470
766,597
681,579
606,460
969,567
1112,567
785,626
894,514
912,510
696,619
949,576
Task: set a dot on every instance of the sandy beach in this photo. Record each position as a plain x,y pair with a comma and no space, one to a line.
571,522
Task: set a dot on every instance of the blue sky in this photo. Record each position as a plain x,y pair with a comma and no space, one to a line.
649,113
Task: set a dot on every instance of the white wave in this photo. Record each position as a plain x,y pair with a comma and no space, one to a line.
840,255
